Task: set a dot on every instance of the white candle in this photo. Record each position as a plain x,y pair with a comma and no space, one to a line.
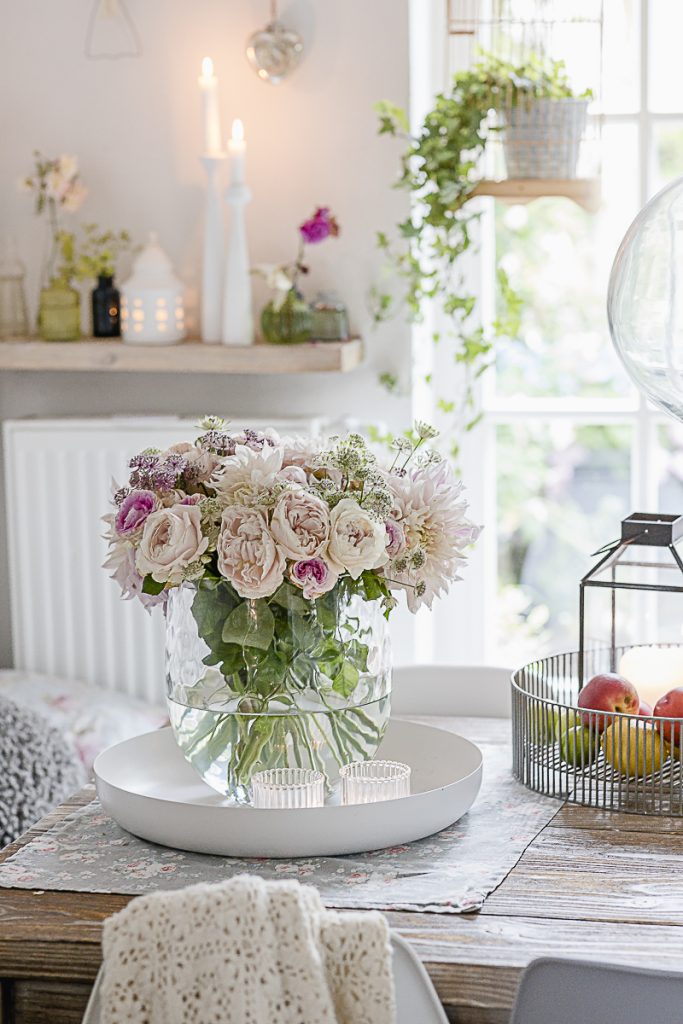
653,670
208,85
237,148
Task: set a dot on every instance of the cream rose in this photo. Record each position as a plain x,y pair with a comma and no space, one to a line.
357,541
171,539
301,524
247,553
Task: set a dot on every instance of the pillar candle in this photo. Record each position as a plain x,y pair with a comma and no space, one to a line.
208,85
653,670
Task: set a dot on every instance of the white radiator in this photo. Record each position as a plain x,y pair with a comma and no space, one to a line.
67,616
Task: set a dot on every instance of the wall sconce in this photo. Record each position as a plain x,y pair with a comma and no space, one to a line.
274,51
152,310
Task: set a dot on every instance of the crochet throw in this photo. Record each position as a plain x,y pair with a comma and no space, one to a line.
245,951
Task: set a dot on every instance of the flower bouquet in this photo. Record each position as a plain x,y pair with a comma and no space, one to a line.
278,562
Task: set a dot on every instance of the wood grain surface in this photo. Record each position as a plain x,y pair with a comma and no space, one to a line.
592,884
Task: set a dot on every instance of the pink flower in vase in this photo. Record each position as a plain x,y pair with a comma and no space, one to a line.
320,226
133,511
315,577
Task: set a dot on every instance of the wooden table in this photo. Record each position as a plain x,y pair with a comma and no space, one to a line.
593,884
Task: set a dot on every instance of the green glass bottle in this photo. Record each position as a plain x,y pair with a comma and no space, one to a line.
59,312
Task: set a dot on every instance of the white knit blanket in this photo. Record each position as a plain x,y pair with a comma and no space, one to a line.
245,951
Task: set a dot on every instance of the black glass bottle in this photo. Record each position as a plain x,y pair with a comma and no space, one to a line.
106,309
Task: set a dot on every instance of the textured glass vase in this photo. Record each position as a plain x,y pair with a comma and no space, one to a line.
288,324
279,682
59,312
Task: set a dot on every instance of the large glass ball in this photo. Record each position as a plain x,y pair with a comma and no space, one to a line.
645,300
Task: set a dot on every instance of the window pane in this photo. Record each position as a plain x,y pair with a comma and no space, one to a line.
559,258
667,156
666,29
563,490
621,56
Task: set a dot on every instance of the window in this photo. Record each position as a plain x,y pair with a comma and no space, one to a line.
567,447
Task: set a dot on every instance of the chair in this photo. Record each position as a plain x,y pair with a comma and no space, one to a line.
416,999
580,992
478,691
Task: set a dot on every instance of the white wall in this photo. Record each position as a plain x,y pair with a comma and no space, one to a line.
135,126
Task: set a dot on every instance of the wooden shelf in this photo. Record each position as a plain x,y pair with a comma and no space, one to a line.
95,355
583,191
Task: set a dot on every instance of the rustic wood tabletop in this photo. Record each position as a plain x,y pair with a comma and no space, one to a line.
593,884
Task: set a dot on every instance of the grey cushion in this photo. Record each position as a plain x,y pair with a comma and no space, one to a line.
38,769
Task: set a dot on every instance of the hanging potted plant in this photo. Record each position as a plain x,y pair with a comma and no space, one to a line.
441,168
58,189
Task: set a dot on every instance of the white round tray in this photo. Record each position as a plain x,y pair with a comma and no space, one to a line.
148,787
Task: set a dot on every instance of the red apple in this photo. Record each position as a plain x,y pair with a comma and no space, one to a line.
608,693
671,706
645,709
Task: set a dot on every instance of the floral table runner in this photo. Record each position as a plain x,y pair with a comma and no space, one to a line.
451,872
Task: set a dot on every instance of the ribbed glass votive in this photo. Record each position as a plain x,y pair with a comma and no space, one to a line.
287,788
367,782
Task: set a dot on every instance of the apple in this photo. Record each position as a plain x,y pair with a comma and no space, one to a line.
671,706
632,749
645,709
578,746
607,693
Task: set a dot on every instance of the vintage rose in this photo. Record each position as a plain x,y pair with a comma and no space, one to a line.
201,465
396,538
293,475
301,524
357,541
314,576
133,511
171,539
248,555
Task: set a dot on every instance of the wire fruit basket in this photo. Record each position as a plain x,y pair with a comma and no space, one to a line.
619,762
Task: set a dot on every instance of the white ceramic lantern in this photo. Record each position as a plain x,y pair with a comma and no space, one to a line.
152,311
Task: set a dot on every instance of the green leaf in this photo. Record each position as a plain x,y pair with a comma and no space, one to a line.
346,680
251,624
151,586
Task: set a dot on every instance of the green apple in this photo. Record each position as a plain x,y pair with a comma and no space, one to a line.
578,747
548,722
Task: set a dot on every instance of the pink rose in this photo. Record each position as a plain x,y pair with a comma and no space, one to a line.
314,576
301,524
248,555
172,538
293,475
133,511
357,539
201,465
396,538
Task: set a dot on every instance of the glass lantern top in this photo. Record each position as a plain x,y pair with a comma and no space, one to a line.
645,300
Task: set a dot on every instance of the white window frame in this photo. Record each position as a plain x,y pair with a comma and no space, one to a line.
462,629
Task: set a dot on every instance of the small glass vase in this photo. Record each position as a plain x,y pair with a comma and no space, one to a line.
106,308
59,312
289,324
279,682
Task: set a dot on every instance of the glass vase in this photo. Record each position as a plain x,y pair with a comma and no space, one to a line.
279,682
59,312
288,324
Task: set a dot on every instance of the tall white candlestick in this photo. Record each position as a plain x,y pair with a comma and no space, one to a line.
213,254
238,323
208,85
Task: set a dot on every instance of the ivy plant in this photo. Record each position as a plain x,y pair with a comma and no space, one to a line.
440,169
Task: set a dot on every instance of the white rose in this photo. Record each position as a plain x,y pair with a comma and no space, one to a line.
171,539
357,541
247,553
301,524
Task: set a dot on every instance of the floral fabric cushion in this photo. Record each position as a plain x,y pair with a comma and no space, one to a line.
92,719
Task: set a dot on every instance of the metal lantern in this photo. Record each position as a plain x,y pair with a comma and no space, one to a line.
631,597
152,310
